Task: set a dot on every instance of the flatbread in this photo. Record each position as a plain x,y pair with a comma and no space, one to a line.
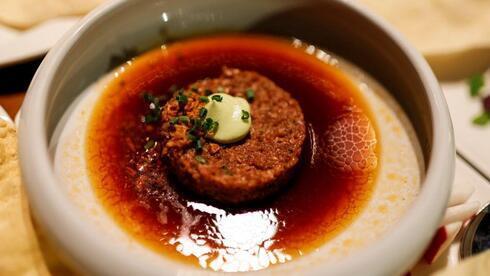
19,250
453,35
438,26
24,14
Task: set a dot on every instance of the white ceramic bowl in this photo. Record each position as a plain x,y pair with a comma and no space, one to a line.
342,27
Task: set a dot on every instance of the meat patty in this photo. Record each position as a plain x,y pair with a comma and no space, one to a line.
251,168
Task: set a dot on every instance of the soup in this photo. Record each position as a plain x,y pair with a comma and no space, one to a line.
329,190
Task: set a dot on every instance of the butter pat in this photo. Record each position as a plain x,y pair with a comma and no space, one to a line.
229,114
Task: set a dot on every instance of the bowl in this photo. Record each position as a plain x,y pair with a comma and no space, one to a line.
342,27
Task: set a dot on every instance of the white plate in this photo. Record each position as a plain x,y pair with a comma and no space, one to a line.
21,45
472,142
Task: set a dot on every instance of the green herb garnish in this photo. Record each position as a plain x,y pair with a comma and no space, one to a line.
196,126
482,119
203,112
200,159
217,98
214,127
151,118
204,99
155,108
208,124
245,115
195,140
174,120
198,145
150,144
181,99
184,119
250,94
192,137
476,82
208,92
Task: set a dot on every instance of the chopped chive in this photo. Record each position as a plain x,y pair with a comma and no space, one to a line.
200,159
151,118
174,120
197,123
198,145
245,115
476,82
217,98
482,119
183,119
150,144
153,100
193,129
154,107
214,127
204,99
181,98
250,94
192,137
208,124
203,112
208,92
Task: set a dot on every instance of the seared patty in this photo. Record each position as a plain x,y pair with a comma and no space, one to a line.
249,169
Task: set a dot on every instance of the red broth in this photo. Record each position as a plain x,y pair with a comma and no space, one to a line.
314,207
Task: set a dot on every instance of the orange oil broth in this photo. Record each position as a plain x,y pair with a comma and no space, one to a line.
315,207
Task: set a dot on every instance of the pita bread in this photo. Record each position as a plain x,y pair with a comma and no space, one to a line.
438,26
452,34
24,14
19,250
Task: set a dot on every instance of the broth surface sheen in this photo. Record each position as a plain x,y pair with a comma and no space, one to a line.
317,204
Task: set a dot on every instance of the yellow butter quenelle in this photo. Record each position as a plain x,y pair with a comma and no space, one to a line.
232,115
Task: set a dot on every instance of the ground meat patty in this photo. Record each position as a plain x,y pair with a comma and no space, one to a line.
249,169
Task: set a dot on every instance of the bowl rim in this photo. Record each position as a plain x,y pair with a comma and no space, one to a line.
51,207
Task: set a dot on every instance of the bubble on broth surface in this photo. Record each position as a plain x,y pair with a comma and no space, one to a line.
351,144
